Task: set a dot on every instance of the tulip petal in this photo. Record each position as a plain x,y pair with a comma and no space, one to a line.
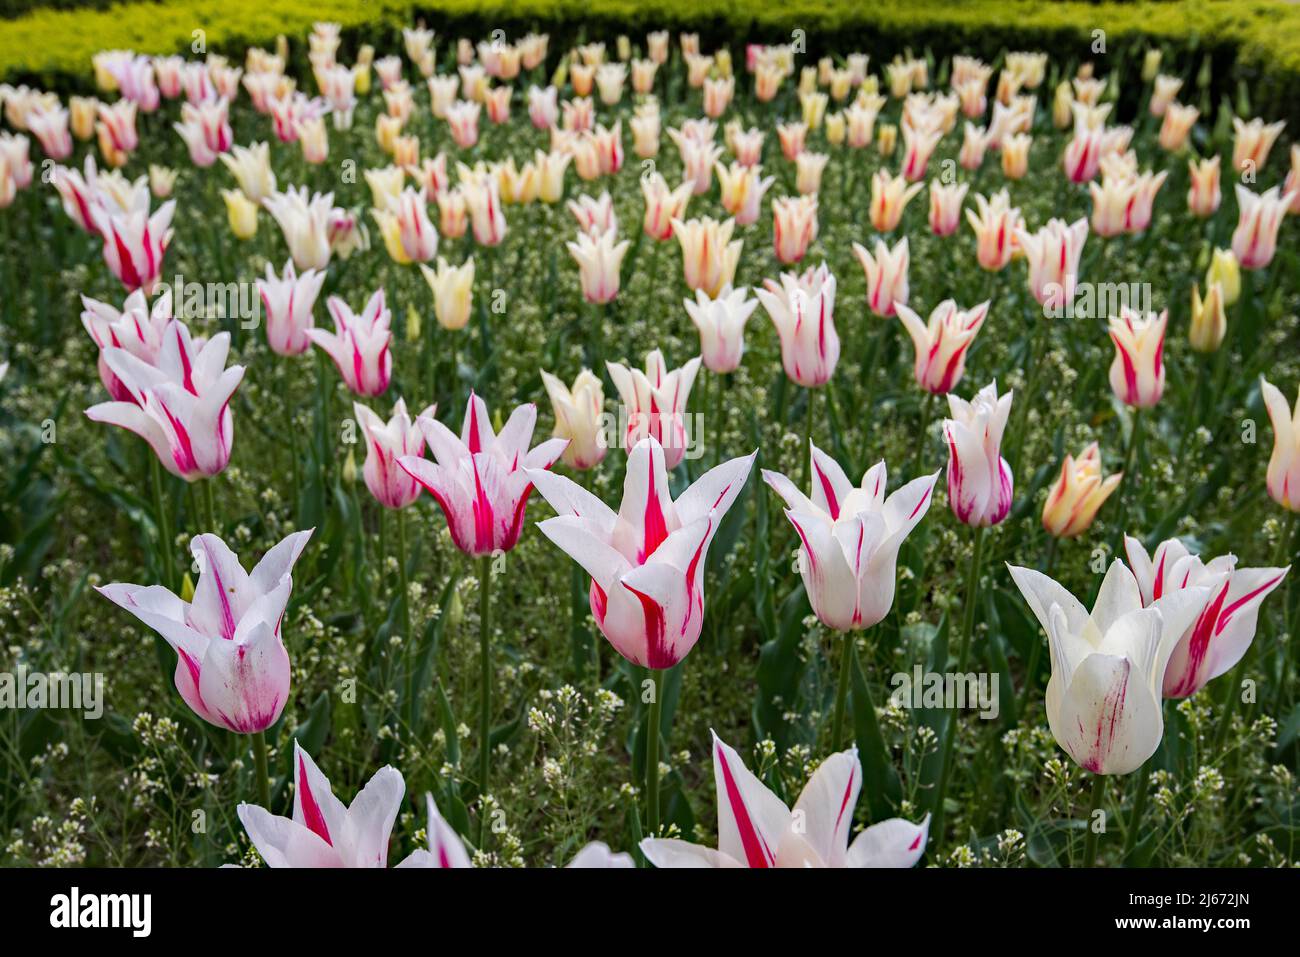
892,843
751,819
825,806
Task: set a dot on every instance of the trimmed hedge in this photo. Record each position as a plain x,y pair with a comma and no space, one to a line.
1250,42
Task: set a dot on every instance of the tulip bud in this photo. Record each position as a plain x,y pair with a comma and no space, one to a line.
187,588
1137,374
1209,324
887,139
350,468
1225,271
412,324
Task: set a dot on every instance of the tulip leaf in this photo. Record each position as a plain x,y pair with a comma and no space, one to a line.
880,778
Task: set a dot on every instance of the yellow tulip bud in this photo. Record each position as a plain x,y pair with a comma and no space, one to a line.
1225,271
187,588
1209,324
350,468
412,324
242,213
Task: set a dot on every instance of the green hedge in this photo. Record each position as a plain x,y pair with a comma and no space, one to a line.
1255,42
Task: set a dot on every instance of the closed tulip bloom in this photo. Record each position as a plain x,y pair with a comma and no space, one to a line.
241,213
407,217
483,199
1177,126
655,402
889,196
179,404
942,343
886,273
305,223
453,213
1079,492
808,176
1253,142
1222,632
1225,271
1137,373
579,418
1103,699
1053,256
324,833
743,188
288,302
849,538
1015,155
662,205
709,256
974,143
918,146
1138,217
1082,156
756,829
50,127
1203,193
359,344
386,442
1260,216
599,260
232,668
482,480
645,134
721,323
945,206
162,180
802,307
995,222
453,292
1111,202
136,328
1209,322
1284,464
135,241
792,137
861,117
794,227
314,139
979,480
698,159
647,561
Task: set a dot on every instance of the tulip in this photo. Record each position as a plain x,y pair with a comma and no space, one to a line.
289,301
698,160
889,196
1209,323
979,479
850,537
1103,699
1224,630
1203,195
995,226
483,200
453,213
50,127
918,146
305,224
756,829
162,180
743,189
314,140
861,118
721,324
232,668
241,214
945,206
886,274
1083,153
1137,373
1225,271
179,404
802,307
390,484
1053,256
1111,202
645,134
794,227
462,119
324,833
1253,142
251,167
1138,216
808,177
1177,126
135,241
974,143
1255,238
1079,492
599,260
453,291
480,479
594,216
709,256
1015,155
662,205
941,345
543,106
579,414
1284,464
359,344
407,217
655,402
137,328
83,112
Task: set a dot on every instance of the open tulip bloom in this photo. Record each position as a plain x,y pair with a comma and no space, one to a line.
942,343
979,479
1223,632
181,404
232,668
756,829
1108,666
359,344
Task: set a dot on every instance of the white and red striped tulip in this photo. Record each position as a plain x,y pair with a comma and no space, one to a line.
481,479
594,215
134,240
232,668
794,227
646,561
850,536
995,222
288,301
1203,192
1224,630
662,205
918,146
137,328
1253,142
886,275
446,849
655,402
1260,216
360,344
1103,699
1137,373
889,197
1284,464
205,128
386,442
709,255
721,323
1053,256
50,127
942,343
980,483
802,308
945,206
579,418
406,217
180,404
756,829
483,200
599,260
305,223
